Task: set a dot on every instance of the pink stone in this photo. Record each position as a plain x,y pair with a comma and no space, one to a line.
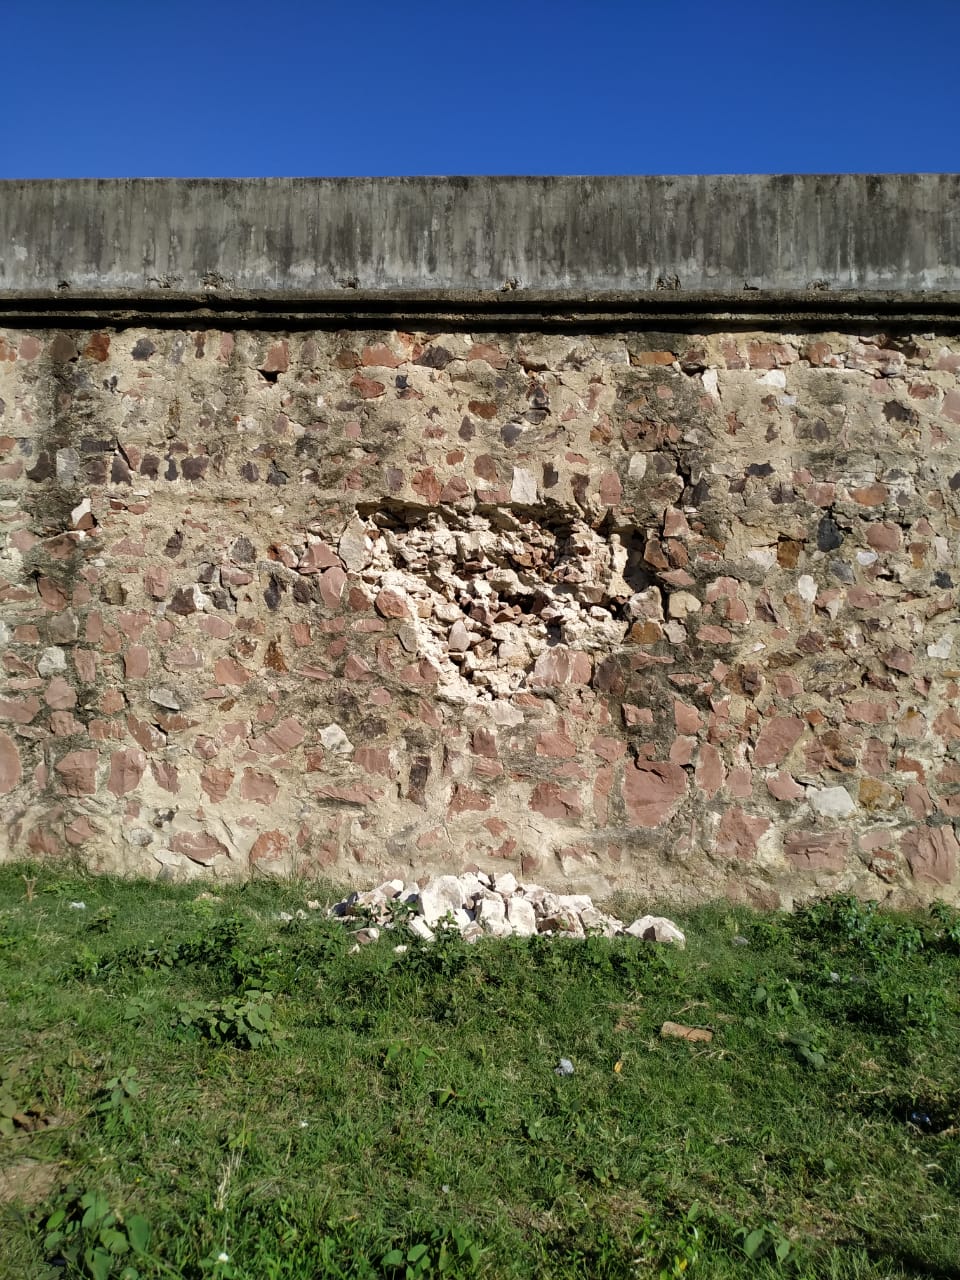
126,770
165,775
608,748
278,358
783,787
899,659
484,743
560,665
740,783
19,710
332,582
356,669
739,834
682,749
817,850
10,768
215,627
145,735
260,787
634,716
867,712
78,772
216,783
374,760
156,581
884,537
554,801
652,790
318,556
931,854
85,665
227,671
611,489
60,695
709,774
555,745
464,799
777,739
268,845
391,604
198,846
136,662
686,718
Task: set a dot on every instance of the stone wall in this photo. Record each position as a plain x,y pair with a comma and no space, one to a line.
666,612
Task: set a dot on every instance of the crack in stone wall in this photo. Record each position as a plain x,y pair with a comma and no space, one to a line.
661,611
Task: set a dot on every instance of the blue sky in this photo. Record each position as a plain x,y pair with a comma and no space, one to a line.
186,88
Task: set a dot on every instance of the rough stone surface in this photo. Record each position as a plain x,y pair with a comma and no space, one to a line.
277,618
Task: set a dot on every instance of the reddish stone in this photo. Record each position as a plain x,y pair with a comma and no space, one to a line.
136,662
367,388
60,695
356,669
686,718
611,749
951,406
349,795
318,556
931,853
381,357
899,660
492,356
554,801
80,830
817,850
465,799
215,627
652,790
11,770
78,772
375,760
156,581
98,348
19,710
884,537
947,724
284,737
555,745
871,495
227,671
682,749
709,774
268,845
776,740
260,787
278,358
126,770
165,775
740,783
332,582
560,665
216,783
484,743
425,483
391,604
739,834
867,712
611,489
198,846
782,786
145,735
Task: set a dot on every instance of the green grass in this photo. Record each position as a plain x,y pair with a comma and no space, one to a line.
187,1079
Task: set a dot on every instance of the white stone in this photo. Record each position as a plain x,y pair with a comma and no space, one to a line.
866,557
524,487
164,697
51,660
831,802
458,639
656,929
68,464
681,604
575,902
942,648
355,548
82,509
711,383
521,916
440,897
775,378
420,929
505,882
335,740
637,466
806,588
470,884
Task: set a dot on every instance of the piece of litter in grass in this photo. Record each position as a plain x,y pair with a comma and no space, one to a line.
565,1068
740,941
681,1032
78,906
618,1066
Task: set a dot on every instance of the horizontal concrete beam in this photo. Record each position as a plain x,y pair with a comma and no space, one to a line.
686,239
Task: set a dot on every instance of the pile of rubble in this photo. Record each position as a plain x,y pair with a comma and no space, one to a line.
479,906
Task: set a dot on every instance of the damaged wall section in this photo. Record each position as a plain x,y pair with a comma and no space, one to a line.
665,612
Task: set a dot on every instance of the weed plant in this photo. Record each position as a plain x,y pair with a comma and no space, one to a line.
191,1087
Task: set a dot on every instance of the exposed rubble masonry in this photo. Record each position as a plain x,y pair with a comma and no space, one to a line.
666,612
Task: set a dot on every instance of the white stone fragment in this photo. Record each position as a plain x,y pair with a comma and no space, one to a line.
806,588
831,802
51,660
335,740
637,467
505,882
942,648
420,929
439,898
164,697
681,604
521,915
524,487
656,929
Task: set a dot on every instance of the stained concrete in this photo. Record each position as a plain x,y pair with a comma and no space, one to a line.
722,235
